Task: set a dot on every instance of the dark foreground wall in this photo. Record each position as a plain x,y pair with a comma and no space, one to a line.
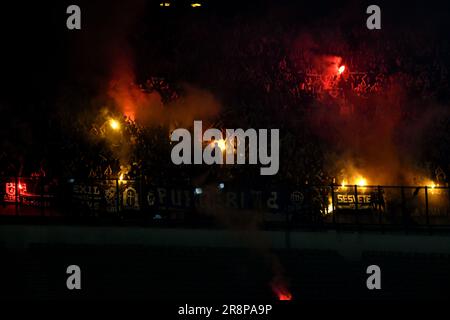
348,244
218,265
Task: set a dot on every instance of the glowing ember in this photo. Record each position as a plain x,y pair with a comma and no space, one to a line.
114,124
341,69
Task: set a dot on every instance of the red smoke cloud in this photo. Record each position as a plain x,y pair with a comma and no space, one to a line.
128,97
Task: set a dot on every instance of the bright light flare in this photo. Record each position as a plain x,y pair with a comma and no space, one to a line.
362,182
330,208
196,5
433,187
341,69
220,143
114,124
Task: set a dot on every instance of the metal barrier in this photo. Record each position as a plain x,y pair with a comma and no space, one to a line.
317,206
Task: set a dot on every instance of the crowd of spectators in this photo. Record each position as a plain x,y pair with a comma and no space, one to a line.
251,67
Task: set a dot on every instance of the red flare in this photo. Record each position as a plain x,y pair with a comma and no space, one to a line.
280,289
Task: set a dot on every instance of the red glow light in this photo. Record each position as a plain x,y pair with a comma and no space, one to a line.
281,291
285,296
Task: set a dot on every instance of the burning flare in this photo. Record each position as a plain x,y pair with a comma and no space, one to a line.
361,182
283,294
114,124
279,287
432,187
121,180
220,143
341,69
330,208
